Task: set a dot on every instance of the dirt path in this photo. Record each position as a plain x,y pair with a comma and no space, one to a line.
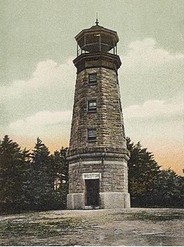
95,227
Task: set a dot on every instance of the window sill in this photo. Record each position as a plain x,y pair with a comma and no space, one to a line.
92,111
91,140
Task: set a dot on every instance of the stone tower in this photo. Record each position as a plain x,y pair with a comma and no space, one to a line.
97,152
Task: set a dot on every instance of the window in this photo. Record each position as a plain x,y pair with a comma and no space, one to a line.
92,105
92,134
93,78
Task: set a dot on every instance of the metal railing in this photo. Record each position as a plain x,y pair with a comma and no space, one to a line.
98,47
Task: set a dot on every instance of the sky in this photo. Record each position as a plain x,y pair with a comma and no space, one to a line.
37,75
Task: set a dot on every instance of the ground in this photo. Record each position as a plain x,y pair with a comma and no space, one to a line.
135,226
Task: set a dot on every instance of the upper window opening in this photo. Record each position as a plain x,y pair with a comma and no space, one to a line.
92,134
92,105
93,78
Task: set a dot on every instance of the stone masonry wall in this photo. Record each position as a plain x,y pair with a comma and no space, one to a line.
113,176
108,119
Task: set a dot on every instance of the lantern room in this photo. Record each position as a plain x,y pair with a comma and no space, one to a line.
97,39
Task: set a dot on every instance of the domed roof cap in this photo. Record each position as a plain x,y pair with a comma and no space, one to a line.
90,38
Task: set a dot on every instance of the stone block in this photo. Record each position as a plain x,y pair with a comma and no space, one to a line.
75,201
110,200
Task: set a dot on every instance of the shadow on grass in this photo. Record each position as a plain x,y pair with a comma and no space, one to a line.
154,216
12,232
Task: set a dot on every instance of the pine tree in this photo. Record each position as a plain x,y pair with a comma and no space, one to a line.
168,190
42,182
60,178
143,171
13,176
149,186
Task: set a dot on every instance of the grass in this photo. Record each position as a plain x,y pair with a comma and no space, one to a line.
159,217
40,229
34,228
52,228
155,216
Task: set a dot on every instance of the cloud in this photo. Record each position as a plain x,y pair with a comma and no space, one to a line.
154,108
145,54
49,88
47,74
41,122
44,122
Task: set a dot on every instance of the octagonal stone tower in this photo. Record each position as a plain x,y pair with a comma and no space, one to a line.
97,152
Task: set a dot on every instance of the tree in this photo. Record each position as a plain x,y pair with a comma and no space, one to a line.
49,178
149,186
13,176
168,190
41,177
143,171
60,178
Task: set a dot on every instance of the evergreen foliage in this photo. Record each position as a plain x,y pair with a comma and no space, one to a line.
149,186
14,165
27,180
41,173
168,190
39,180
49,178
60,178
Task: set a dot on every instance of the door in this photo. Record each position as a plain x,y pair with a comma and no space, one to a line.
92,192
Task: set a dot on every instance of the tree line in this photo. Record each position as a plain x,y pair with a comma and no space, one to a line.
37,180
149,185
34,180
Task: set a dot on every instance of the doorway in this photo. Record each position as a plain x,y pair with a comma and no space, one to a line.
92,192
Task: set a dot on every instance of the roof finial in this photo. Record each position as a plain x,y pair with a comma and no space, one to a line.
96,19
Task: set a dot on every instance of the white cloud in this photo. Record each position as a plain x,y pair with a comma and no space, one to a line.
145,54
154,108
49,71
40,122
47,74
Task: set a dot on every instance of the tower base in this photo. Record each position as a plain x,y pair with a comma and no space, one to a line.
107,200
